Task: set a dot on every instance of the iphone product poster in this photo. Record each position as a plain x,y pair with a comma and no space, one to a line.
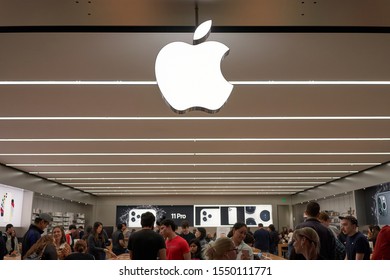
11,201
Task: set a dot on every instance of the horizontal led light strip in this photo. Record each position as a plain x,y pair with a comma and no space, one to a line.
194,178
192,172
186,139
193,190
194,183
193,164
182,190
147,83
193,194
188,188
199,154
195,118
121,193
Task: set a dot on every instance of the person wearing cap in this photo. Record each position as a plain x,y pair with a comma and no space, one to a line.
357,246
35,231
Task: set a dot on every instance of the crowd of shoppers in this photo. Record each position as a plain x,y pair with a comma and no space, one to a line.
313,239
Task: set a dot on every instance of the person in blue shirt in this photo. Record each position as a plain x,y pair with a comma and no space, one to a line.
357,246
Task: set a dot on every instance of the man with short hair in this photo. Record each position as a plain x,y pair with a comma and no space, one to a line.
118,240
339,246
69,236
146,244
262,238
185,232
177,247
327,240
357,246
35,231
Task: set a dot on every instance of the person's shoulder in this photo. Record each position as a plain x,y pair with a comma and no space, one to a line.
361,236
385,232
182,239
90,237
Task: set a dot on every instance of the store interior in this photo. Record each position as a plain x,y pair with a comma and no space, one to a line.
86,132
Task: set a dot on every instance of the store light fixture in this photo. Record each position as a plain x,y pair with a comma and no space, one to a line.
191,183
196,172
190,178
189,188
201,154
152,83
195,164
260,118
194,194
191,139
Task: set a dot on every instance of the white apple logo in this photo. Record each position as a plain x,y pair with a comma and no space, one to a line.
189,76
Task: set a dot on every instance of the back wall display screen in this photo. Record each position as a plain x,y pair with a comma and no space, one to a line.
10,205
131,215
228,215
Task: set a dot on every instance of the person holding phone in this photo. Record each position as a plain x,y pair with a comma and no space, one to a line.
244,251
63,248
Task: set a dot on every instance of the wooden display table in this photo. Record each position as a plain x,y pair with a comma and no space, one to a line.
125,256
12,258
268,256
282,247
276,258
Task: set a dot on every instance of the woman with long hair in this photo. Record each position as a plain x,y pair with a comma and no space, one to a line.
97,242
43,249
62,247
195,249
201,234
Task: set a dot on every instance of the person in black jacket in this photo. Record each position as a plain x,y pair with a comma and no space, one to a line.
327,240
97,242
3,249
35,231
274,239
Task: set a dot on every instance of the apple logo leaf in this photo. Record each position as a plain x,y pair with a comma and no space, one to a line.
202,32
